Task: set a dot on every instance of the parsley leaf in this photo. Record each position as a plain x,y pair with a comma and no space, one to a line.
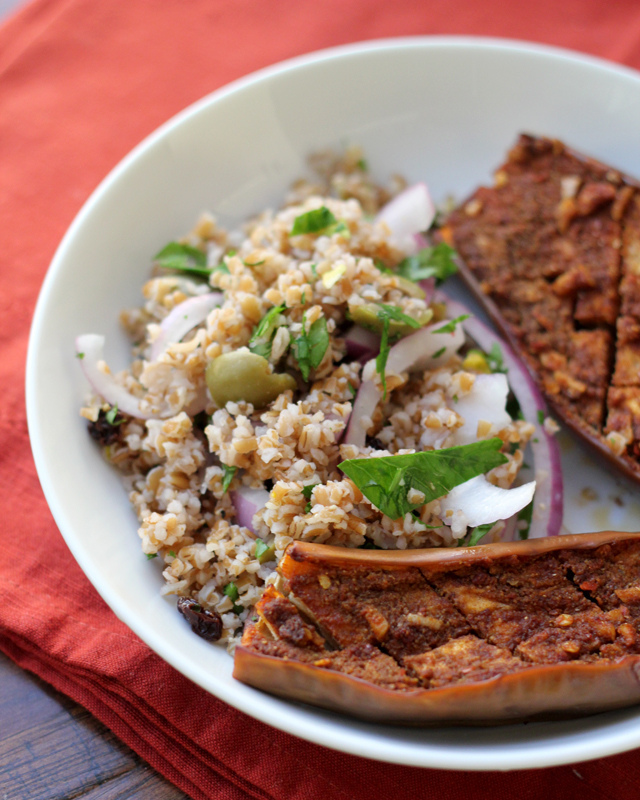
430,262
495,359
228,474
386,313
451,326
111,416
151,555
309,348
231,591
264,331
80,356
540,415
315,221
183,258
386,481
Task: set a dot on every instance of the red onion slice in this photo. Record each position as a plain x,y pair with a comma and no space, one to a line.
90,351
424,349
548,501
478,502
362,344
182,319
409,213
247,502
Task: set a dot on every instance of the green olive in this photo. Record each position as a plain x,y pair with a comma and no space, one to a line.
410,287
243,375
367,316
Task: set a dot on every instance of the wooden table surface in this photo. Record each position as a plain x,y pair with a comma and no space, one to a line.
52,749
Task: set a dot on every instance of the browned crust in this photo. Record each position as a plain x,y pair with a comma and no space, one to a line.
549,691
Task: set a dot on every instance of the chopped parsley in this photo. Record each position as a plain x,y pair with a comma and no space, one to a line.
525,515
254,263
540,415
306,492
151,555
386,481
228,475
80,356
352,390
262,337
439,352
231,591
451,326
495,359
478,532
386,313
430,262
309,348
172,554
315,221
111,416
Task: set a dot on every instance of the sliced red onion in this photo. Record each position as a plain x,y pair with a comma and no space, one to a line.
548,502
409,213
90,350
424,349
362,345
247,502
478,502
182,319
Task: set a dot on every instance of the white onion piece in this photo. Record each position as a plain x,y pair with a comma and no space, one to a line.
410,354
409,213
417,351
548,502
485,402
361,343
478,502
182,319
364,407
247,502
91,345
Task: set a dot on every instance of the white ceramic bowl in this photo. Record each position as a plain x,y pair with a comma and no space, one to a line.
443,110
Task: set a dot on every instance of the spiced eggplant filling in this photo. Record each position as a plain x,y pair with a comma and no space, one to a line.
423,623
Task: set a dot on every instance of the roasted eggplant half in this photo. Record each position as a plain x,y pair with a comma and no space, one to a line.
540,629
552,252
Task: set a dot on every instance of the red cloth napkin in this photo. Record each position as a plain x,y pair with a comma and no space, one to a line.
81,82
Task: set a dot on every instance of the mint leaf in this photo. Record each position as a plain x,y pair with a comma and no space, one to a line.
228,474
309,348
313,221
183,258
430,262
386,481
263,333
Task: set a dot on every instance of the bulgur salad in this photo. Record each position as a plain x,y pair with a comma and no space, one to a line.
304,379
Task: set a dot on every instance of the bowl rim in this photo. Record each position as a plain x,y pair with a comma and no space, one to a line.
334,736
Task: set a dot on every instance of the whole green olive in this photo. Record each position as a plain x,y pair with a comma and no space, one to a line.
243,375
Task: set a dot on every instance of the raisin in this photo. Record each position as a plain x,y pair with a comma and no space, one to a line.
207,624
105,432
375,443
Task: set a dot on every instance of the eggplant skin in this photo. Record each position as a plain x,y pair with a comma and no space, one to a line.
555,691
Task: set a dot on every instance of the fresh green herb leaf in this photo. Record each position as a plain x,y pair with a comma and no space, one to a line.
303,299
386,313
151,555
183,258
172,554
309,348
314,221
362,165
525,515
254,263
228,474
495,359
237,609
431,262
478,532
221,267
314,270
514,447
231,591
451,326
111,416
265,330
352,390
339,227
386,481
540,415
439,352
264,552
308,489
308,507
80,356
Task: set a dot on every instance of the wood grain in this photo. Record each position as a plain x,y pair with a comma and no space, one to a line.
52,749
